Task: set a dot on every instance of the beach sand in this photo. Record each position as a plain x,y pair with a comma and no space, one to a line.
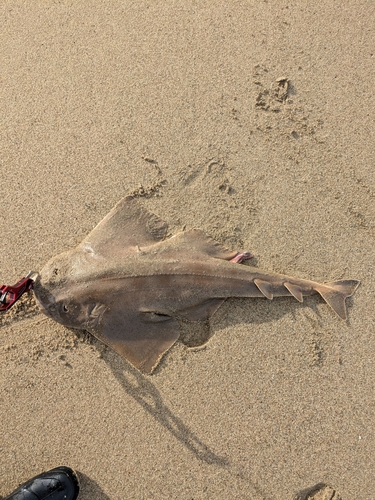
253,121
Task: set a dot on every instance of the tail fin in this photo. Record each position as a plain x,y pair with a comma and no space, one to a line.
336,292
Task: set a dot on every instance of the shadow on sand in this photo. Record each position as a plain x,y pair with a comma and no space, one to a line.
144,392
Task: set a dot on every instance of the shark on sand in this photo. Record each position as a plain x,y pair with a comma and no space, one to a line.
129,286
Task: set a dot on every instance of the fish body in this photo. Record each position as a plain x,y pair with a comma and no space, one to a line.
129,286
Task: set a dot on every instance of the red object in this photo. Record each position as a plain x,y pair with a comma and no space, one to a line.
9,294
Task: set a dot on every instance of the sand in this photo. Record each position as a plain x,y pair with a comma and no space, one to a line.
253,121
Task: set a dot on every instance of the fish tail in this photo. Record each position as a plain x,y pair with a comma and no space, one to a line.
336,292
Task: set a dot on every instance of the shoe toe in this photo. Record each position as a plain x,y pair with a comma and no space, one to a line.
60,483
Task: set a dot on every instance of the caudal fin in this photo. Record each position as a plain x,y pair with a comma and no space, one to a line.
336,292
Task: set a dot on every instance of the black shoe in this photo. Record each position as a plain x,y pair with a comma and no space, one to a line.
56,484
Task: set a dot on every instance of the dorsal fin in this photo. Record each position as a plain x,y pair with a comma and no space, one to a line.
127,226
294,290
265,288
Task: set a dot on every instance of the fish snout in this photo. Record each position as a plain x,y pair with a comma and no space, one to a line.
46,302
50,310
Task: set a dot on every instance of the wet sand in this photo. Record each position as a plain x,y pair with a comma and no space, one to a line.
250,120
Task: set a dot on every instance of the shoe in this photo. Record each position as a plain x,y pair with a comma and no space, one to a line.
60,483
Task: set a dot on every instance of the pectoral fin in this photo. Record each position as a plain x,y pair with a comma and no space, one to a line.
139,337
127,226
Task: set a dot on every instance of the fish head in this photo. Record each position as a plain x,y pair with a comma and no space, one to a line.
64,296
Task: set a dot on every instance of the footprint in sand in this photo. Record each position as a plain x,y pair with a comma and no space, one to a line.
320,491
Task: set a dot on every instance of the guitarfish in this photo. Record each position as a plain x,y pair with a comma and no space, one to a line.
129,286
